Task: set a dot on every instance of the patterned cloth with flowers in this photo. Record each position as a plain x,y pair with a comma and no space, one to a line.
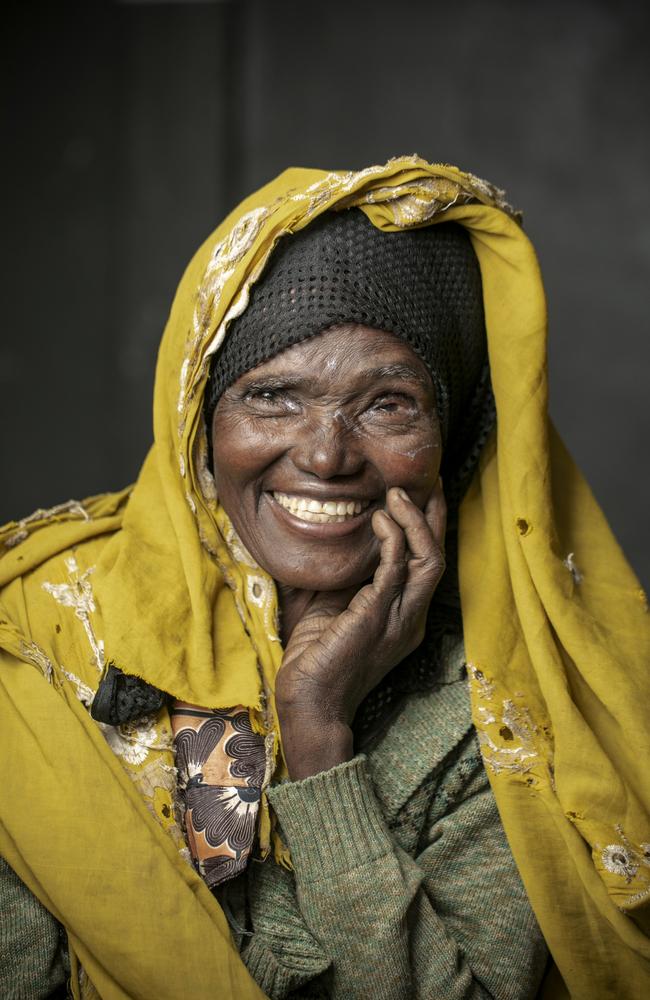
221,766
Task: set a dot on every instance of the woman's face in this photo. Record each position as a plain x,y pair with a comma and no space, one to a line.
306,445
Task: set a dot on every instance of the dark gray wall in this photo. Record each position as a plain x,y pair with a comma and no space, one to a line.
132,128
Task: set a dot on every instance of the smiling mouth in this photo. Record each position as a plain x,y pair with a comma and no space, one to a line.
325,512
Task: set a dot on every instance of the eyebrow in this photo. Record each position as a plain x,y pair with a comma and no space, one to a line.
404,372
399,371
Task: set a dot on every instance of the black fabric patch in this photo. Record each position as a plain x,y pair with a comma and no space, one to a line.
122,698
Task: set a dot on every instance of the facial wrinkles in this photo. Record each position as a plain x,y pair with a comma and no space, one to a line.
394,444
333,421
325,435
330,423
327,420
353,355
397,446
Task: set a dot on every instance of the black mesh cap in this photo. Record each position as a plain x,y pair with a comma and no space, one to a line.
423,285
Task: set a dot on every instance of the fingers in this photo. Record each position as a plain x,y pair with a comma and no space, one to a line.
411,556
435,513
392,569
390,575
425,534
424,530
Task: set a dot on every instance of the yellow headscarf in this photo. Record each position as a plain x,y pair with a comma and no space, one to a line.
156,581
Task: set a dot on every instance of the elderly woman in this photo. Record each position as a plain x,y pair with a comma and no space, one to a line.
240,757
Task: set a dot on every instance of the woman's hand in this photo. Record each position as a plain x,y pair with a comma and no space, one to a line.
345,642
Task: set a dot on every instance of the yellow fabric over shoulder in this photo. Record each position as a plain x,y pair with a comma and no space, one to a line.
557,634
156,581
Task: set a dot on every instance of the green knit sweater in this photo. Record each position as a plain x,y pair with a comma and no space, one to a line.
403,886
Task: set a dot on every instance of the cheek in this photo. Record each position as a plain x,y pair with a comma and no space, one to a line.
411,462
239,453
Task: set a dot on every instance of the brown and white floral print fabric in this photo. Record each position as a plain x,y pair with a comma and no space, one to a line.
221,765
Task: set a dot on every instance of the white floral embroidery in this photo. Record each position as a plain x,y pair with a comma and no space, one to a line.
77,594
132,741
223,262
269,756
71,507
511,741
619,861
185,367
259,590
33,652
628,861
131,752
238,550
16,538
570,564
486,687
84,692
203,472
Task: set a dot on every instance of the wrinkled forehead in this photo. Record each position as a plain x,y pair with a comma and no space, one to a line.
346,351
422,285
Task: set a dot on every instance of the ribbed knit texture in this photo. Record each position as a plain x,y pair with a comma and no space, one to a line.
33,960
404,885
312,807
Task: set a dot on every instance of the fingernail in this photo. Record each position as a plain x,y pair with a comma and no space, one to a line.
402,494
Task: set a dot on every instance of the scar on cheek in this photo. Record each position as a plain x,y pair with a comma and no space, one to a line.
395,449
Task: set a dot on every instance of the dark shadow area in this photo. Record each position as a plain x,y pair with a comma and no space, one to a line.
132,128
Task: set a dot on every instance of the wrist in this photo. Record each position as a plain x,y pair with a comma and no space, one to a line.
310,703
312,744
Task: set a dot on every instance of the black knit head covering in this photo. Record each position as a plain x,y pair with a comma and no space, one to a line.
422,285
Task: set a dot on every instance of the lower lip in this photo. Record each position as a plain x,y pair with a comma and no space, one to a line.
319,529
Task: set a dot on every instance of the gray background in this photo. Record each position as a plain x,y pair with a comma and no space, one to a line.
131,128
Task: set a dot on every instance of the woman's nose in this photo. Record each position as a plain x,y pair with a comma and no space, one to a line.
327,448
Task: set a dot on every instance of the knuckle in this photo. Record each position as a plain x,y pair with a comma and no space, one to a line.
400,569
432,566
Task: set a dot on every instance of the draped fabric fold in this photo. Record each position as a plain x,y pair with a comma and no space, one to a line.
156,582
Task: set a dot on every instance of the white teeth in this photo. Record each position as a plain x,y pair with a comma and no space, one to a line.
328,512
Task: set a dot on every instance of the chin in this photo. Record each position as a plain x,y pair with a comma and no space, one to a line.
319,581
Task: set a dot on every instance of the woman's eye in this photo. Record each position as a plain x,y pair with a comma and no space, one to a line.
393,405
273,400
